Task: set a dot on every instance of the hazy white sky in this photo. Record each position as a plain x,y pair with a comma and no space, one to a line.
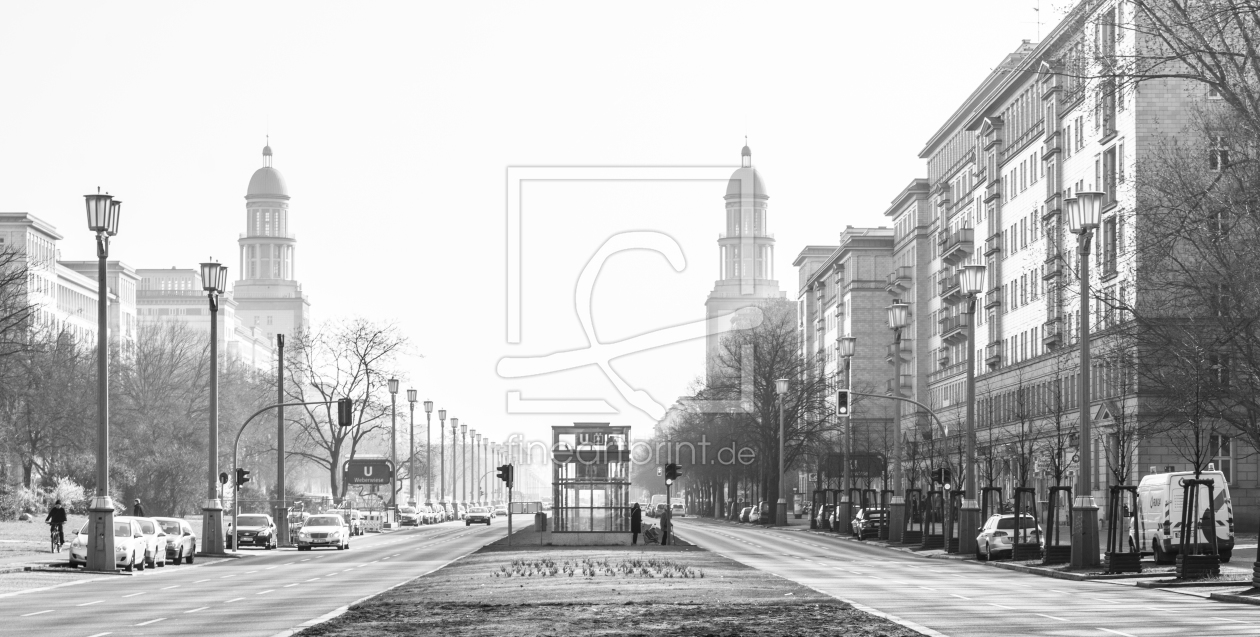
394,125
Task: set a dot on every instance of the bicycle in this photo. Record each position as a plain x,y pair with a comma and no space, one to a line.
57,538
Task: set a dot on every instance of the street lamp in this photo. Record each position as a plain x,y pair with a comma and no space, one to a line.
463,436
472,455
1084,214
846,347
428,452
898,319
454,462
780,514
411,457
214,282
971,280
393,446
102,217
441,452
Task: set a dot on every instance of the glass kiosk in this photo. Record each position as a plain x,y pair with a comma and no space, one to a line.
591,484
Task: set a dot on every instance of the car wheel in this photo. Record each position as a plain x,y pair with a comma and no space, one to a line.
131,566
189,559
467,523
139,563
1226,555
179,557
1160,557
162,564
341,547
988,552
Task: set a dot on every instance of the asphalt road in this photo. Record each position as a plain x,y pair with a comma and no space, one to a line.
958,598
261,595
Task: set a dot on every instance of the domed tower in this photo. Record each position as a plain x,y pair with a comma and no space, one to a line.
746,254
267,293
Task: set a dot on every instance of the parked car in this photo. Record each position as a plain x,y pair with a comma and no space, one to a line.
997,536
181,542
1160,499
154,541
478,515
759,514
746,514
408,516
324,530
129,545
867,523
825,512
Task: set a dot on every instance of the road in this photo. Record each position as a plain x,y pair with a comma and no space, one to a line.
263,594
960,598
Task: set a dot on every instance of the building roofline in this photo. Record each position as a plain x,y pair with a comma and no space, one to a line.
32,220
966,111
916,186
812,250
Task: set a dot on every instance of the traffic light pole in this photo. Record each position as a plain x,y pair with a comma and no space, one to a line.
236,500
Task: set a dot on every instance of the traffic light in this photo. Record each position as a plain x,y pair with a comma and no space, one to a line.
223,477
672,471
842,402
506,472
242,476
943,476
345,412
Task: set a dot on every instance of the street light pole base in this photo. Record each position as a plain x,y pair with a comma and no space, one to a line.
844,516
968,523
896,518
1085,533
212,540
780,513
100,554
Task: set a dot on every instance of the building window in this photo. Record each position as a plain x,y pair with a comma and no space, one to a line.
1222,455
1108,247
268,320
1218,152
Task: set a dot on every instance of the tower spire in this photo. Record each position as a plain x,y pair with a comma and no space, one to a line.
267,152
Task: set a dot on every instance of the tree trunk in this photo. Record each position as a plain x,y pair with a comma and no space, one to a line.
27,466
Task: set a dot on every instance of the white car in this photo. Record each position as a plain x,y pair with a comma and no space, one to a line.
997,536
324,530
181,542
154,539
129,545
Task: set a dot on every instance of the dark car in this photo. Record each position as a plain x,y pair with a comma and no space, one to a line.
480,515
868,522
255,529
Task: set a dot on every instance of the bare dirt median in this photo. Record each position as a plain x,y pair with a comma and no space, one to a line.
603,592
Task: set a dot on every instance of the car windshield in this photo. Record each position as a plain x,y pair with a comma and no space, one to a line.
253,520
406,510
323,520
83,529
146,527
478,510
170,527
874,514
1009,523
122,529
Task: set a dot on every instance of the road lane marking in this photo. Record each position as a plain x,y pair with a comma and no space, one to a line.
100,634
151,621
1051,617
200,581
270,590
1226,619
926,588
270,567
235,599
305,560
1001,606
959,596
1115,632
170,587
41,612
1099,599
288,585
1055,590
312,579
195,610
248,572
134,594
227,576
90,603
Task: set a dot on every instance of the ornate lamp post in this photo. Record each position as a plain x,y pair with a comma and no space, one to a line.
780,513
442,453
214,282
846,347
102,217
411,457
474,485
428,452
393,448
463,436
971,281
898,319
1084,214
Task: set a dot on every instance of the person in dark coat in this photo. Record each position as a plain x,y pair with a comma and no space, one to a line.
636,523
137,510
57,518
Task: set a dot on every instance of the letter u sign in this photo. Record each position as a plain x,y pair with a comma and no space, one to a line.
367,471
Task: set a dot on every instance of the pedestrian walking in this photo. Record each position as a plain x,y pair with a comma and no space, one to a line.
636,523
137,510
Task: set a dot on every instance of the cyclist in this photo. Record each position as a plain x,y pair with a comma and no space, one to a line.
56,519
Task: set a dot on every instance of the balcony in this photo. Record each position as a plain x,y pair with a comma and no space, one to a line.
993,298
993,244
899,280
957,245
907,386
993,355
951,289
907,351
1053,268
954,329
942,357
1052,333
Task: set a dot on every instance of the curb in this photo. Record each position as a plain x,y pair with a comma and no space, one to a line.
1192,584
1236,599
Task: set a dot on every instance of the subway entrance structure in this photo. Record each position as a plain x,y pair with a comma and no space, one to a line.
590,485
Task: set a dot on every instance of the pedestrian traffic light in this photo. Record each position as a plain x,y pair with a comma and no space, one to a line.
842,402
345,412
242,476
943,476
672,471
223,477
506,474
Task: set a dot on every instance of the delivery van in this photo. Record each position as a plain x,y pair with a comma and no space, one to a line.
1160,498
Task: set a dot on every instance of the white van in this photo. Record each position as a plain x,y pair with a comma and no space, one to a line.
1159,514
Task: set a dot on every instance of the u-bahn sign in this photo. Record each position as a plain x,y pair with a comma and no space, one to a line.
368,471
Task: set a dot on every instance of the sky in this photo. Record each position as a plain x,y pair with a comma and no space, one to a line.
397,124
